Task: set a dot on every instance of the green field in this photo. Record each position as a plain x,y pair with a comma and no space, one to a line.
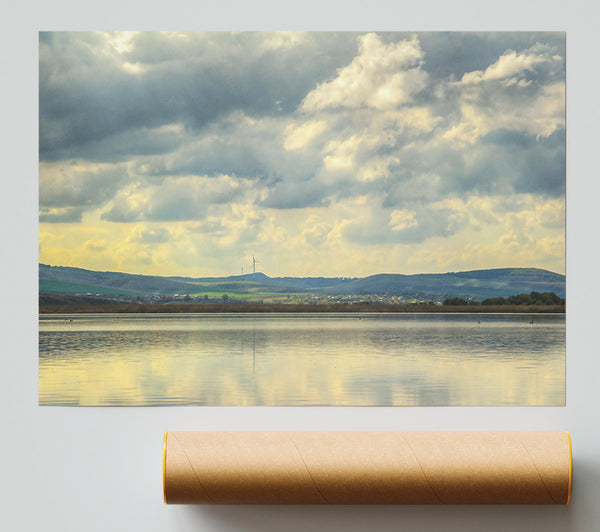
230,285
270,297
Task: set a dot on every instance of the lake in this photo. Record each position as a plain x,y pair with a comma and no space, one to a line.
302,359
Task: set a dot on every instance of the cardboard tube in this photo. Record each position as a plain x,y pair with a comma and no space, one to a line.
367,468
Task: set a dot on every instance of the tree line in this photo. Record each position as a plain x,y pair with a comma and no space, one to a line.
533,298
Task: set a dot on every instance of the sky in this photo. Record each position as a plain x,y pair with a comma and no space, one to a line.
321,154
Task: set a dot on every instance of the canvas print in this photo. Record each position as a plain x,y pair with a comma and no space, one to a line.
301,218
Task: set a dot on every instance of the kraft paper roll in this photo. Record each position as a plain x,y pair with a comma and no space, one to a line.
367,468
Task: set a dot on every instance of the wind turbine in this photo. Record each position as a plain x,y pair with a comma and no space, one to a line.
254,261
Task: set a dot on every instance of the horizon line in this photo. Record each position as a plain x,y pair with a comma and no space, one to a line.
306,276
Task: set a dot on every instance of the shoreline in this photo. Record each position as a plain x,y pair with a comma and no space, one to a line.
266,308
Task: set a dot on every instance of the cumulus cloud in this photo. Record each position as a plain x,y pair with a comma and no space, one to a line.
404,227
315,231
512,67
521,91
382,76
298,136
185,198
207,227
402,219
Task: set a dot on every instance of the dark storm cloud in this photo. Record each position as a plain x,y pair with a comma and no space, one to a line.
64,187
123,146
238,147
208,158
520,162
318,192
452,54
62,215
418,179
295,195
226,147
508,138
86,97
544,168
502,163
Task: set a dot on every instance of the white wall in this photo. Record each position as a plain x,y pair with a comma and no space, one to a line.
97,469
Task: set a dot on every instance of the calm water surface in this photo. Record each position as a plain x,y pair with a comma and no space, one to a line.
300,359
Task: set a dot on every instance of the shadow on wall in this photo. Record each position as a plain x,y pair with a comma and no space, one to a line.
380,518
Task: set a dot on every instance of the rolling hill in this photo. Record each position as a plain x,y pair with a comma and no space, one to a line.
476,284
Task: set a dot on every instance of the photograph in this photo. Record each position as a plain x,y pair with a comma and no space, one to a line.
302,218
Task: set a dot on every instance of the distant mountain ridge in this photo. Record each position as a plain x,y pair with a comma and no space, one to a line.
476,284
